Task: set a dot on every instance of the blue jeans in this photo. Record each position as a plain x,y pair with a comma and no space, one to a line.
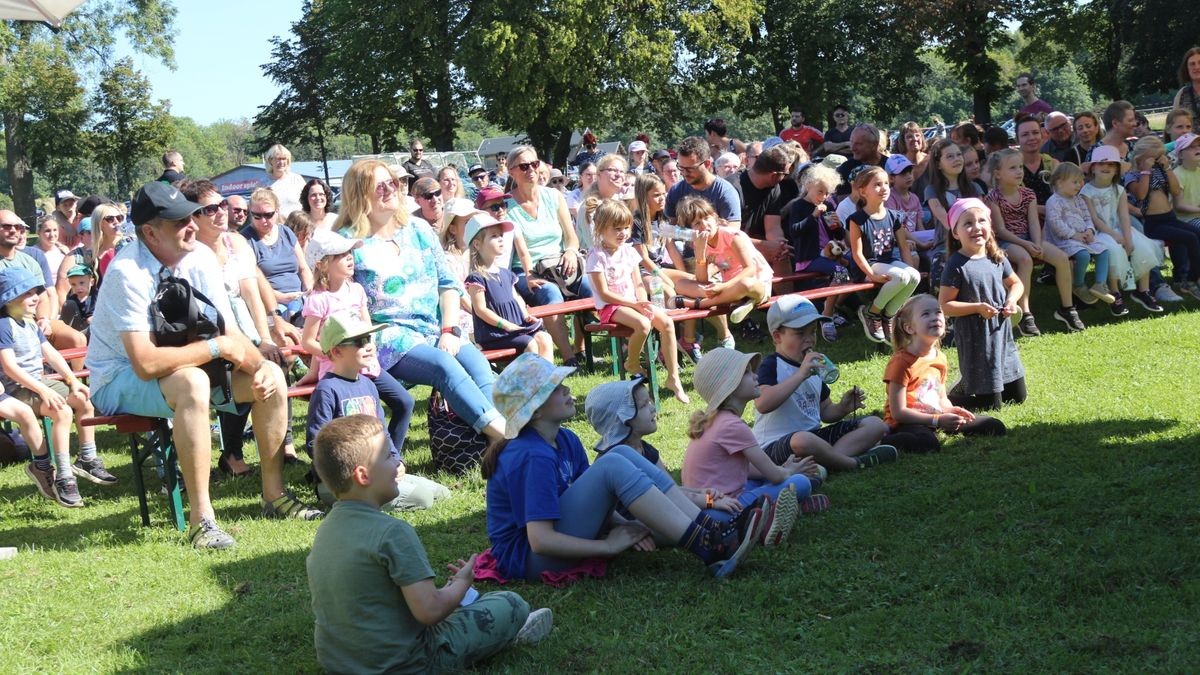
1080,261
619,475
465,380
399,403
755,487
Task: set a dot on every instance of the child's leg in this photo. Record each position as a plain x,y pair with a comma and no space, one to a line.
899,286
747,289
27,422
544,346
1079,265
82,407
910,278
473,633
1102,266
754,488
400,405
983,425
1014,392
640,325
807,444
1023,266
60,436
1055,257
917,438
670,352
416,492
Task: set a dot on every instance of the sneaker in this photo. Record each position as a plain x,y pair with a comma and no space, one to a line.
66,492
1084,294
537,627
1046,276
1100,291
207,534
872,324
742,311
1027,327
1118,307
880,454
44,480
1191,288
814,504
786,509
1069,316
1165,294
288,506
1146,300
886,325
829,331
731,549
691,350
744,523
728,343
839,320
93,470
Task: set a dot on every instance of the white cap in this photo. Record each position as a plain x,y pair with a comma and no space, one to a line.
325,243
637,146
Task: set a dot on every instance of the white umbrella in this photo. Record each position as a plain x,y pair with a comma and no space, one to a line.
50,11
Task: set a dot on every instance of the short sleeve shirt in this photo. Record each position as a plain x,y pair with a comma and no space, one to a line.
278,260
530,477
361,558
25,339
801,411
543,233
123,304
720,194
924,380
320,305
757,204
1016,216
618,269
879,243
24,261
715,460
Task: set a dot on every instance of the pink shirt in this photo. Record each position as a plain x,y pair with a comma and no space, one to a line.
910,208
723,256
320,305
618,268
715,460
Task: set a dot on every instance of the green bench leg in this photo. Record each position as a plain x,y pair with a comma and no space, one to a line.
614,347
158,444
652,355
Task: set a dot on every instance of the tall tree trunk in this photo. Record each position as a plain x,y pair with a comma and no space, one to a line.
321,145
20,172
982,107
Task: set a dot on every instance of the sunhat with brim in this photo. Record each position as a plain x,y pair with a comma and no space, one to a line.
962,205
344,326
834,161
1105,154
480,222
609,407
523,387
17,281
324,243
1183,142
719,372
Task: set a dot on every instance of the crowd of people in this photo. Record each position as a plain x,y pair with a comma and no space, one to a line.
420,272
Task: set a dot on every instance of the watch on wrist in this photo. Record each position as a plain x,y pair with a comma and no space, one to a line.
452,330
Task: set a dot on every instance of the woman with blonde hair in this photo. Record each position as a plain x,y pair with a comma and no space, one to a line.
610,184
278,252
912,144
411,289
285,184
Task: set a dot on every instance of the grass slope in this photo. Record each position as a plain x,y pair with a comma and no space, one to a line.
1070,545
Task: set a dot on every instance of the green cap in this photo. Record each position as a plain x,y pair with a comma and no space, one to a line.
342,327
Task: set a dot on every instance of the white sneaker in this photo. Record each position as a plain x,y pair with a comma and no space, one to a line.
729,343
1165,294
537,626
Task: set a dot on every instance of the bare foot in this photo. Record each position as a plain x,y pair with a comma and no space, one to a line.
634,367
676,388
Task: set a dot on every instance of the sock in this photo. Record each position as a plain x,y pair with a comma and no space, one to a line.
695,539
708,522
42,463
62,461
87,450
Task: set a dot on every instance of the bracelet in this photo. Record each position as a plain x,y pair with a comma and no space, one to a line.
214,349
500,324
701,261
708,499
935,420
1143,173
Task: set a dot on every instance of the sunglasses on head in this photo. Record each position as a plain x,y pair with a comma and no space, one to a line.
212,209
526,166
265,215
432,195
361,341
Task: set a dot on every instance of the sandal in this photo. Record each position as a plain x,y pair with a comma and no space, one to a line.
681,302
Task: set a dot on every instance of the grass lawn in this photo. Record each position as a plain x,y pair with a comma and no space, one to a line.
1069,545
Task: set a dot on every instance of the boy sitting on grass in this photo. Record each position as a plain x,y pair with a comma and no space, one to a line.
794,401
376,605
346,340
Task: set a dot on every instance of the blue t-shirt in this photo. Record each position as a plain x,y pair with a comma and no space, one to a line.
801,411
879,243
25,339
723,197
335,397
530,477
277,261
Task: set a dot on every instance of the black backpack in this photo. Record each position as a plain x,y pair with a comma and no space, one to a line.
179,320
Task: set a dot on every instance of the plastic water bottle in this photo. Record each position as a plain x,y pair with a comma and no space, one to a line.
658,296
827,370
668,231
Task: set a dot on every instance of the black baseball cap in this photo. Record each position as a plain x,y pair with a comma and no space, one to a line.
159,200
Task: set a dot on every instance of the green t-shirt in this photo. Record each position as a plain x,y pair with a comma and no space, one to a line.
360,559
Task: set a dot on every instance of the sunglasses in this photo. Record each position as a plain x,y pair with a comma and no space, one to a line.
479,176
497,207
120,218
361,341
238,211
386,187
212,209
13,226
526,166
432,195
265,215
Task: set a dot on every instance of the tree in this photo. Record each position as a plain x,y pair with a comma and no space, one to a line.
300,112
128,128
40,94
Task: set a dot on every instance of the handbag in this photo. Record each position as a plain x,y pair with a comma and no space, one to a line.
177,314
550,268
455,446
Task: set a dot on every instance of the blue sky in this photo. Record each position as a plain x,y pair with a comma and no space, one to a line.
219,48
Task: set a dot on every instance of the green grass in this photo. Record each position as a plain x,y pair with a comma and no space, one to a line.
1070,545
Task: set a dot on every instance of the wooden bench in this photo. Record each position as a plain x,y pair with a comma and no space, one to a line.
151,437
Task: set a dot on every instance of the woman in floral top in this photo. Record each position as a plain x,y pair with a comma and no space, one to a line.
411,289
